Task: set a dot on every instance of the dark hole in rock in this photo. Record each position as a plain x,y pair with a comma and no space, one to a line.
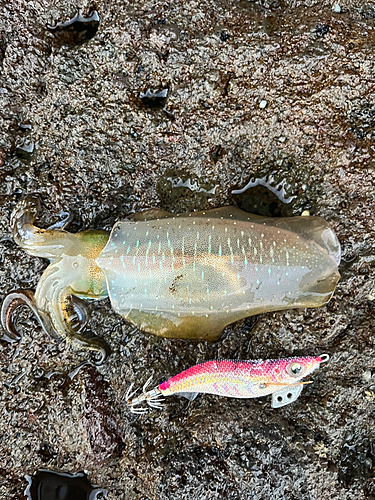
38,372
154,99
217,153
49,485
24,127
77,30
25,150
41,89
224,37
2,49
322,29
264,197
46,452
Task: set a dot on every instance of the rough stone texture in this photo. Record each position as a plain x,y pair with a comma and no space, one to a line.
74,129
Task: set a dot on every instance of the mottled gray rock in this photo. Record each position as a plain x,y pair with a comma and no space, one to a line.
74,129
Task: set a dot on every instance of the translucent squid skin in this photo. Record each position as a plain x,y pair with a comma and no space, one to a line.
190,275
183,276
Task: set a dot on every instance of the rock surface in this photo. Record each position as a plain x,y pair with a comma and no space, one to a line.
276,90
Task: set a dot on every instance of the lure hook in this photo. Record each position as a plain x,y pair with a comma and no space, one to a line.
153,398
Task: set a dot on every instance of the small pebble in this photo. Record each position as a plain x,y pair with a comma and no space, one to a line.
370,395
366,376
336,8
263,104
305,213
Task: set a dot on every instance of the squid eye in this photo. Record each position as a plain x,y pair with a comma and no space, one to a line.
296,369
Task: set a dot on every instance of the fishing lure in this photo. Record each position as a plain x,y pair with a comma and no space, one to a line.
183,276
237,379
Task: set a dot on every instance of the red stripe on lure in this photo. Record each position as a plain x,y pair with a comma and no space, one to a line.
237,379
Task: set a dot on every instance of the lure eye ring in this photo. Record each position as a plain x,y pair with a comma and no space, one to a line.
295,369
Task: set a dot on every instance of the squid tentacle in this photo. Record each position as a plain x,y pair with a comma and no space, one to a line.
56,324
48,243
65,219
59,312
55,297
22,298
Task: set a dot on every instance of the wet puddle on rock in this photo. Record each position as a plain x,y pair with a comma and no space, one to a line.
265,197
184,193
77,30
49,485
154,99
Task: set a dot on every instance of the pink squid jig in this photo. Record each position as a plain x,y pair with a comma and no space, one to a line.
237,379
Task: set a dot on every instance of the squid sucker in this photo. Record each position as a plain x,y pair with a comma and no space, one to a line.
176,276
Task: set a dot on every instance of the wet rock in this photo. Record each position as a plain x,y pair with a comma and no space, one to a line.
25,150
100,421
357,457
173,189
224,37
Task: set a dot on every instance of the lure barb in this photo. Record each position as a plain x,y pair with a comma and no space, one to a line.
282,378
